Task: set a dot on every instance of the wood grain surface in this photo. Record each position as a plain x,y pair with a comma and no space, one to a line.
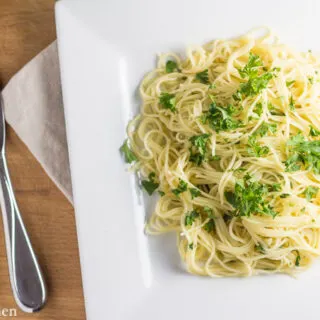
27,27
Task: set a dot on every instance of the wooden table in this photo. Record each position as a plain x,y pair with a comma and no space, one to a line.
27,27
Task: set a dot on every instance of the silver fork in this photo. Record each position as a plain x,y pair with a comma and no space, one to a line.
26,279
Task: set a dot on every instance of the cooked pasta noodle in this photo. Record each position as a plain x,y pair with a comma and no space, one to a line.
229,136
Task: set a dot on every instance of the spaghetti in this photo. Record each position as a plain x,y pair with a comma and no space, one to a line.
229,136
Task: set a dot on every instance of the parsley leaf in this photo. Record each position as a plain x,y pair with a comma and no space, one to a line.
298,258
314,132
209,226
310,192
290,83
285,195
161,193
291,104
203,76
258,109
171,66
129,156
221,119
255,150
191,246
215,158
275,187
191,217
255,85
208,211
265,128
182,187
198,149
251,68
303,152
260,248
150,185
168,101
249,198
194,192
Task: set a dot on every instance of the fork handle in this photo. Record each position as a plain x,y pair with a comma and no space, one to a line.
26,279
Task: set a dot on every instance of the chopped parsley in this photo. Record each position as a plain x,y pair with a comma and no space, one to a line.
310,192
220,118
290,83
129,156
161,193
265,128
199,148
255,82
255,85
191,246
254,149
314,132
275,187
203,76
191,217
260,248
171,66
209,226
298,258
258,109
182,187
285,195
251,69
194,192
215,158
249,197
303,152
150,185
168,101
291,104
208,211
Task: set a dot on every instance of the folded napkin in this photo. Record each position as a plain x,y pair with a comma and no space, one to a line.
33,107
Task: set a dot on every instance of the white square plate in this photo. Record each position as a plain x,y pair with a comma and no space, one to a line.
105,49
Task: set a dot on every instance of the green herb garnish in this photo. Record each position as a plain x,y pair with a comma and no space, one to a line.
303,152
291,104
199,148
275,187
182,187
191,246
129,156
249,197
150,185
254,149
260,248
265,128
285,195
203,76
256,83
310,192
221,119
251,69
171,66
194,192
298,258
314,132
290,83
168,101
209,226
191,217
208,211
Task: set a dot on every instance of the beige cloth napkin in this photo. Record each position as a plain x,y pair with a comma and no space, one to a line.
33,107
